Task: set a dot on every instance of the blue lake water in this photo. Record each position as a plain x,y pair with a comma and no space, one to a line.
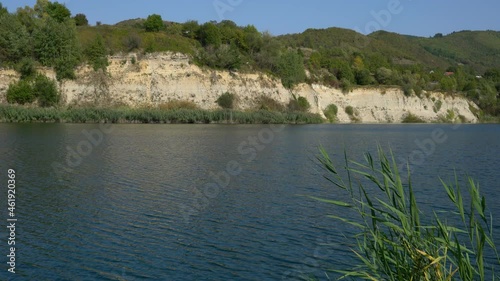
208,202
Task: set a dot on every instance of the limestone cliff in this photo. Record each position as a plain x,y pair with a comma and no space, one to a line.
158,78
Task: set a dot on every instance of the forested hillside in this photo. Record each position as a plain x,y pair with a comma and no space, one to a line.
466,63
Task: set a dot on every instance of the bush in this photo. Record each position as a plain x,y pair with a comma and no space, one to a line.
383,76
21,92
349,110
299,104
221,57
410,118
81,20
132,42
58,11
346,85
363,77
46,91
209,35
304,104
407,89
26,68
154,23
331,112
97,55
177,104
28,90
291,69
437,106
269,104
227,100
393,243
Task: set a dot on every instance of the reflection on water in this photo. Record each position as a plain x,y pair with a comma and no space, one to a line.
118,214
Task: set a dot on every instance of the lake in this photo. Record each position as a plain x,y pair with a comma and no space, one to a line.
208,202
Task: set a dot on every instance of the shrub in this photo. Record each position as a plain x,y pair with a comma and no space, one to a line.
81,20
221,57
411,118
363,77
46,91
437,106
96,54
383,76
349,110
331,112
346,85
407,89
269,104
393,243
209,34
21,92
132,42
299,104
28,90
227,100
26,68
177,104
304,104
154,23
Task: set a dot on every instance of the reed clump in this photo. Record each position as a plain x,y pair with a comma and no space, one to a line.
393,243
177,113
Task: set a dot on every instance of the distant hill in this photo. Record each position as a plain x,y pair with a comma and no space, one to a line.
478,49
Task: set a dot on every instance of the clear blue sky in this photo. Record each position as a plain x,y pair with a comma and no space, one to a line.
413,17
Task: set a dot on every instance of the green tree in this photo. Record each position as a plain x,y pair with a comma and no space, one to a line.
448,84
81,20
341,69
363,77
190,29
492,74
269,56
254,40
154,23
96,54
56,45
291,69
46,91
210,34
28,17
26,67
14,39
57,11
3,10
41,8
383,76
224,57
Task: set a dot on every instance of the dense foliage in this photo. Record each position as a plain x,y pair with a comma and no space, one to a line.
37,87
460,63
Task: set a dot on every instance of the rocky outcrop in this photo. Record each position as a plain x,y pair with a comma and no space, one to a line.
154,79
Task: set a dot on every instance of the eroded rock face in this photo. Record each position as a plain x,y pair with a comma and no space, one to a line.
158,78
